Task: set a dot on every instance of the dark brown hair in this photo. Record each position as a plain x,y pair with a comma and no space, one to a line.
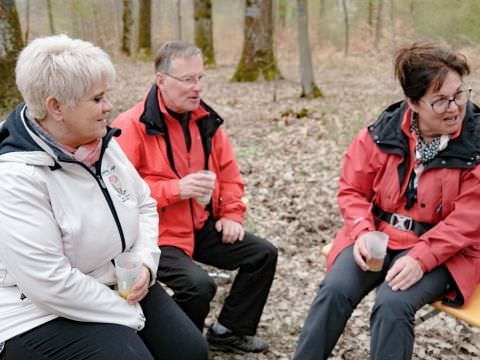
424,65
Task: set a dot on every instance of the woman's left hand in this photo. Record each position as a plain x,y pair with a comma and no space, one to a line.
404,273
140,289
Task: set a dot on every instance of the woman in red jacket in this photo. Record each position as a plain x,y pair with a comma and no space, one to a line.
413,175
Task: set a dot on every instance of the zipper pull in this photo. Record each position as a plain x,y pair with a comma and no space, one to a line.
100,180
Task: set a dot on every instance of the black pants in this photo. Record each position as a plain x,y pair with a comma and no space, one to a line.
255,260
392,322
168,334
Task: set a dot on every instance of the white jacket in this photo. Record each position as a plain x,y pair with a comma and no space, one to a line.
58,232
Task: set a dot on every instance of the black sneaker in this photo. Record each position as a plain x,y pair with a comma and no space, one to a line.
240,344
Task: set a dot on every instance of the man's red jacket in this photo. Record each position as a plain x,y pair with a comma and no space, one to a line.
155,143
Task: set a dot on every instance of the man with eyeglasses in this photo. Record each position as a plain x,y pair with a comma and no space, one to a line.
172,137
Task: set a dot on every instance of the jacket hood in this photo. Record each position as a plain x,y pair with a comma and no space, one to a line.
461,152
18,142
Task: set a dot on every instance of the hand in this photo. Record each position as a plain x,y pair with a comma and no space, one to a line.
140,288
195,185
404,273
231,230
360,252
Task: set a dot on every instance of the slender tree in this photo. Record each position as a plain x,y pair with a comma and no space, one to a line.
127,21
309,89
323,8
257,55
347,27
10,45
204,29
378,27
179,20
27,20
282,13
144,29
370,14
51,23
392,23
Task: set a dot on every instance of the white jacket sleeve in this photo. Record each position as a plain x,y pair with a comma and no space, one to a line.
31,248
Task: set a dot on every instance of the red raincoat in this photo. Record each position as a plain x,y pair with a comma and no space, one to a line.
376,170
146,128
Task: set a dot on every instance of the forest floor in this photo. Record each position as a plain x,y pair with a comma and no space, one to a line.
291,166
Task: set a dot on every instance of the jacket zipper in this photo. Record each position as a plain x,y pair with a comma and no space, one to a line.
108,198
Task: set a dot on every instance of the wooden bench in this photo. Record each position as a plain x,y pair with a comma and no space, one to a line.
469,312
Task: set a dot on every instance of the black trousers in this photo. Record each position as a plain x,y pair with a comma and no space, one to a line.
193,288
392,322
168,334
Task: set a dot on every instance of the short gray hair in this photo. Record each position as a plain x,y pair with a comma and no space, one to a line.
172,50
61,67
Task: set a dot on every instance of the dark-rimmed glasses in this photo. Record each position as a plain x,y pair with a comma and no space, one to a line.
440,106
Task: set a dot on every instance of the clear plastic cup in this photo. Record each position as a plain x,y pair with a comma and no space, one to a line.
127,268
376,243
204,200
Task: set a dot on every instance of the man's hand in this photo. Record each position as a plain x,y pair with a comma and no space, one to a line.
232,231
404,273
140,288
195,185
360,252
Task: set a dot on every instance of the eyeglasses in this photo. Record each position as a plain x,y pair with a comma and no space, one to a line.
188,80
440,106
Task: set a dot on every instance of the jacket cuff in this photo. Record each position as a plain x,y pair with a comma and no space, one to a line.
361,227
235,217
424,256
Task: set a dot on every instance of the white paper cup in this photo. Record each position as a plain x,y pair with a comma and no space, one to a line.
127,269
376,243
204,200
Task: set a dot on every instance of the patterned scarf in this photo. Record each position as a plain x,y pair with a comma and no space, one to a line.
425,152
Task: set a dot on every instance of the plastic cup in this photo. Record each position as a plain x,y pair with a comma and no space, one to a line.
376,243
127,269
204,200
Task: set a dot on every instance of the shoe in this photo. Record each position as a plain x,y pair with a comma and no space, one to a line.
240,344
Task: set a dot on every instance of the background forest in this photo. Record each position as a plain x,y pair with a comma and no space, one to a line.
289,147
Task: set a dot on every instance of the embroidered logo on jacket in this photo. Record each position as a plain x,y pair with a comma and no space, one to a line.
112,178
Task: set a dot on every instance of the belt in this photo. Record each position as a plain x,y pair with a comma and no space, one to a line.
401,222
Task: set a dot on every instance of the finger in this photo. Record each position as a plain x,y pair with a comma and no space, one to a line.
359,259
399,279
242,234
218,225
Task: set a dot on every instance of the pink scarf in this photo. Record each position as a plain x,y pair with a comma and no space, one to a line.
87,153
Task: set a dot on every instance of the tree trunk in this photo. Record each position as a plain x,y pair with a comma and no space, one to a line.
370,14
282,13
257,55
347,27
10,45
179,20
309,89
323,9
204,29
27,21
144,49
392,23
50,17
127,20
378,27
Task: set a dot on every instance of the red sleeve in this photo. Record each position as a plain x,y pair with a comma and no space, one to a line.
360,166
459,230
231,185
